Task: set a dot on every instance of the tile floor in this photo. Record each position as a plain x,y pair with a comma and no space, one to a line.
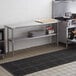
62,70
68,69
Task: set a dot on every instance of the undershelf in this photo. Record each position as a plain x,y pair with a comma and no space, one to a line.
42,36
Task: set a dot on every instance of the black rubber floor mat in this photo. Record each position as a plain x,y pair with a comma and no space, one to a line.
40,62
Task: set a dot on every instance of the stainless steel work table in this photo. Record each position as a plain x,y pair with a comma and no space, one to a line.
28,24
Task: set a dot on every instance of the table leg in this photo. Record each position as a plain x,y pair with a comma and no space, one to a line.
12,42
57,34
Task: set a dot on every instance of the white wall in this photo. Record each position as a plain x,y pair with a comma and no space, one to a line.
16,11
